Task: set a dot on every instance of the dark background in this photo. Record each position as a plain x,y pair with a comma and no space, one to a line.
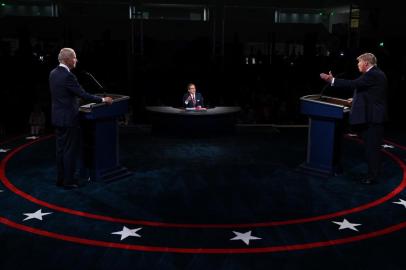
260,55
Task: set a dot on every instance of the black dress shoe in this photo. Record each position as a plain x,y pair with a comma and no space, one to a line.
70,186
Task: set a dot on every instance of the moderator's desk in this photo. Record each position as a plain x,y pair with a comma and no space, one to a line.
170,120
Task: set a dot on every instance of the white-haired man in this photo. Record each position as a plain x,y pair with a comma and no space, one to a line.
65,89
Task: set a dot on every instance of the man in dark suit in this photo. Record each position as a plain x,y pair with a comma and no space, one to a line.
65,90
368,109
192,99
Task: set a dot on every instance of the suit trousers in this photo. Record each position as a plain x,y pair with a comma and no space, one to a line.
373,138
67,150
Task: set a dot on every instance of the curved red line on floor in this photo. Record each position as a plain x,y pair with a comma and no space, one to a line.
359,140
21,193
270,249
395,144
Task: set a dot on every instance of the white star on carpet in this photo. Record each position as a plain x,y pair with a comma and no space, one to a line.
3,150
126,232
401,202
352,135
1,190
345,224
245,237
387,146
32,137
36,215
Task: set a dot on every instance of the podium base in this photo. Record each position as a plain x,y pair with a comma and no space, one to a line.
108,175
324,173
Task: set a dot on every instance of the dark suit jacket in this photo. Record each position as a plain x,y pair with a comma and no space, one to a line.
198,97
65,89
369,101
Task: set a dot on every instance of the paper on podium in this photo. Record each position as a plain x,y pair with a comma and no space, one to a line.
89,105
196,109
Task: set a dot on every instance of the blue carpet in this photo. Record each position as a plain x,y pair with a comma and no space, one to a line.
193,195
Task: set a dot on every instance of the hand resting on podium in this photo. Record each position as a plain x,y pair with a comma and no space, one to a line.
108,100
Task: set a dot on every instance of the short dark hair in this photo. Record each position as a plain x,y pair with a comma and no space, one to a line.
190,84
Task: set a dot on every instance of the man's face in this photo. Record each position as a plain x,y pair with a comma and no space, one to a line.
192,89
362,66
71,61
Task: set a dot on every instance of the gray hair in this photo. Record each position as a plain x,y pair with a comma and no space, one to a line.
369,58
65,54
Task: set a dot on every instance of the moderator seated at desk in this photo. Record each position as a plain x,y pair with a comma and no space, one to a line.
170,120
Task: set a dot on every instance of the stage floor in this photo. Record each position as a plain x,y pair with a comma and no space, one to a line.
241,193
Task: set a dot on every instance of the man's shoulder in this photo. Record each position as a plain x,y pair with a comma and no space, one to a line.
59,70
376,69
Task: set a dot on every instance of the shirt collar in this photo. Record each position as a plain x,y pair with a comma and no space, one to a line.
369,68
65,66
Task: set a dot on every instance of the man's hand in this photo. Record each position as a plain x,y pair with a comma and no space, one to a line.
108,100
327,77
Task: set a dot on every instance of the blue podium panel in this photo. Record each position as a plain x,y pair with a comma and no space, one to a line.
100,140
326,115
93,111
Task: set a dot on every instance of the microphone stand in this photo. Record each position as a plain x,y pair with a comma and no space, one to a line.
97,82
329,84
324,88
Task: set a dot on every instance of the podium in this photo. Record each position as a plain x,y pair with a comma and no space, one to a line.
100,139
326,118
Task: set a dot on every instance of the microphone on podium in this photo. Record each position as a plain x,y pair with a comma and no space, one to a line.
96,81
324,88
